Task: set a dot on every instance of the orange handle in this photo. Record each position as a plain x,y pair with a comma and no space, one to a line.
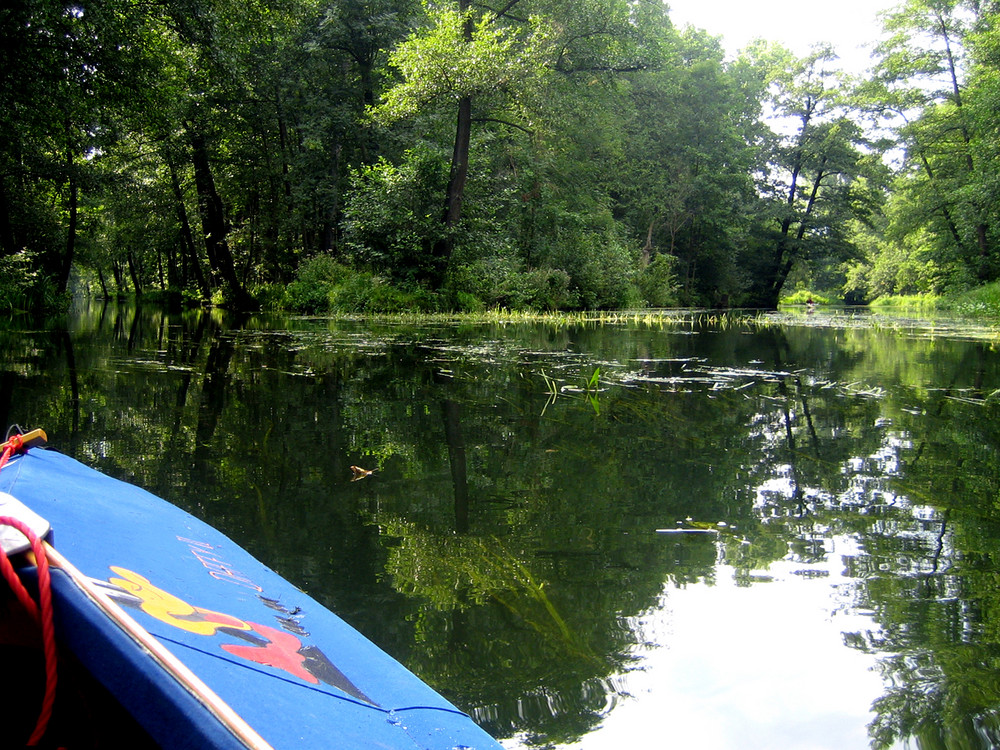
29,439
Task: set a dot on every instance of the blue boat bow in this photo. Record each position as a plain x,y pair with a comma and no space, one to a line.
296,673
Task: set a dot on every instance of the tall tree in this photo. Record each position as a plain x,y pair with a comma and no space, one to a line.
495,65
982,105
823,173
456,59
62,66
689,157
920,80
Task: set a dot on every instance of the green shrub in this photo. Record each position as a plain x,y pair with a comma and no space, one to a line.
271,296
392,215
633,298
598,265
983,301
543,289
316,278
922,302
488,280
367,293
805,296
385,298
426,301
193,298
352,294
656,283
467,303
585,242
23,287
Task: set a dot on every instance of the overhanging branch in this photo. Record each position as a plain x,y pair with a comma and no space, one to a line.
504,122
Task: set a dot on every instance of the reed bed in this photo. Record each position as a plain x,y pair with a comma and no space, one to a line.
666,318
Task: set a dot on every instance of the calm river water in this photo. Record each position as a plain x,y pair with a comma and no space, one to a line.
672,531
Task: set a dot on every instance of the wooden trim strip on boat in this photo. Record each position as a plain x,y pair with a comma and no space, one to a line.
174,666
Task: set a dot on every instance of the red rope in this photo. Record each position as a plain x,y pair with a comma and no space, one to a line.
12,446
41,612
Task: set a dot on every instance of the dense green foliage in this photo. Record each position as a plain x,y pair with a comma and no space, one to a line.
518,153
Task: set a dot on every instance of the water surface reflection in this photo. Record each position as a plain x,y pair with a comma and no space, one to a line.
513,536
729,666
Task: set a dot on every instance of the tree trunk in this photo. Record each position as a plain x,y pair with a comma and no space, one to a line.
133,274
187,236
331,218
116,272
8,246
647,250
104,285
73,208
788,255
213,224
368,142
982,242
945,211
459,163
441,252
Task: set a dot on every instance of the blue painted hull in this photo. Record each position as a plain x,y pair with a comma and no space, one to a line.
295,672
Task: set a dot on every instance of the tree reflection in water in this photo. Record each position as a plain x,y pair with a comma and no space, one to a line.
505,545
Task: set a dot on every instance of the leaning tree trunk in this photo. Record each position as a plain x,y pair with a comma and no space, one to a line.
441,251
134,274
214,225
459,163
187,236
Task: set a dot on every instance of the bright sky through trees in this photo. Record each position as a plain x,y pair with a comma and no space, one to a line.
848,25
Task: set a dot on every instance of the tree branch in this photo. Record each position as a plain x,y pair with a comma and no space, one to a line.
497,14
637,68
504,122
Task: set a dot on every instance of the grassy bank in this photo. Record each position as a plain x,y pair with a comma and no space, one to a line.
911,302
982,302
807,296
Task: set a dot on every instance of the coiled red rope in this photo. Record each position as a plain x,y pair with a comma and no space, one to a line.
40,612
12,446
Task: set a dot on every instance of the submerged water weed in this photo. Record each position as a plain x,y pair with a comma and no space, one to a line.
589,390
552,391
593,388
732,319
836,450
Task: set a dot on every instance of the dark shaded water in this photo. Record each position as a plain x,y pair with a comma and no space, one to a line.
836,578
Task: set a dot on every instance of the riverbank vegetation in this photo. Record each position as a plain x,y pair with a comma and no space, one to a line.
980,301
382,155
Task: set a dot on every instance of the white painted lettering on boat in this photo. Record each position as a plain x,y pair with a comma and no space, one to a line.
216,567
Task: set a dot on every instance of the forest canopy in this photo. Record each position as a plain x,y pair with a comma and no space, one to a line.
377,155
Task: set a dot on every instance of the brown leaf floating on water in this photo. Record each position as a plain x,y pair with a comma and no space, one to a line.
360,473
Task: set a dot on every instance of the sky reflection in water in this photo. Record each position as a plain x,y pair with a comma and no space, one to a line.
721,666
